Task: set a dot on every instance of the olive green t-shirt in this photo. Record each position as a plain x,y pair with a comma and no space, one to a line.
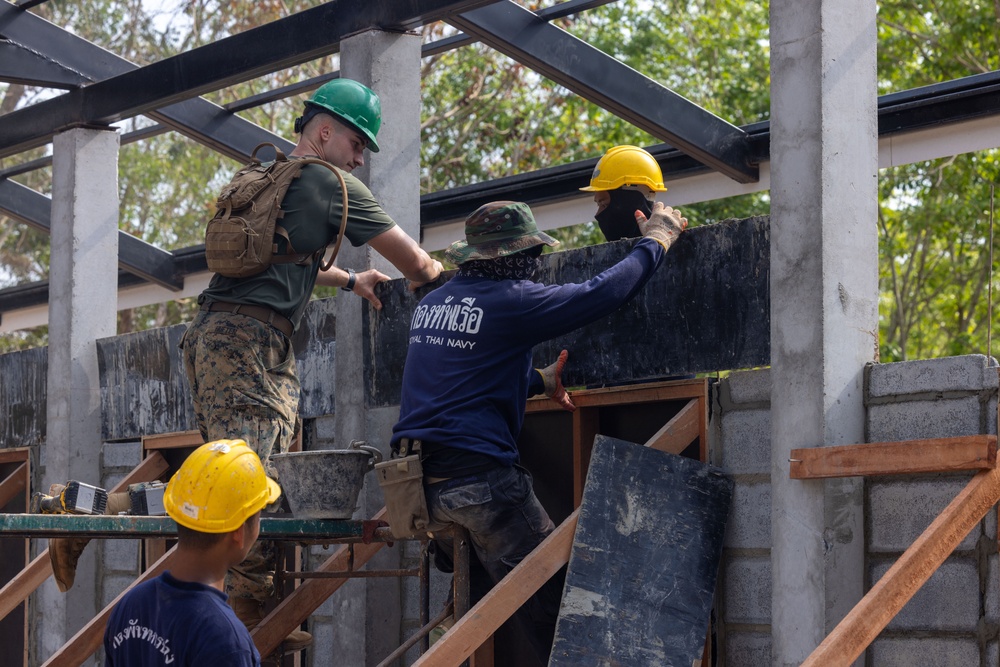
312,208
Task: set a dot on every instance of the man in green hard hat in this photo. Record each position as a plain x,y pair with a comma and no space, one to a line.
237,352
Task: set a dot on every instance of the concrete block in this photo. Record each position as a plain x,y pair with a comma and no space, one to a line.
324,429
322,632
120,555
991,603
750,386
949,601
122,454
113,586
900,509
746,589
915,420
966,373
746,442
992,653
747,649
937,651
749,525
111,480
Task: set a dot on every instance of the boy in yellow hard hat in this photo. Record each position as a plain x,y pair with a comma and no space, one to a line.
625,180
182,617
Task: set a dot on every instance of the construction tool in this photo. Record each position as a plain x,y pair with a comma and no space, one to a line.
74,498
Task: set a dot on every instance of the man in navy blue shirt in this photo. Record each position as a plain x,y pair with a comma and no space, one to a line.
181,618
468,374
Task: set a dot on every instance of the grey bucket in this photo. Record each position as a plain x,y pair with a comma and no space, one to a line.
325,483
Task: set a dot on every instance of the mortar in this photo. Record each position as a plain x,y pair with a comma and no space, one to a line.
326,483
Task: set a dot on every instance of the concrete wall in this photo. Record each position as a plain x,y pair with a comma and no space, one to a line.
953,619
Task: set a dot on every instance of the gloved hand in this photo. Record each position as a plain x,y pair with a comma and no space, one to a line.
552,378
663,226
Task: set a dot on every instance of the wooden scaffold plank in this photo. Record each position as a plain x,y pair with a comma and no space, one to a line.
967,452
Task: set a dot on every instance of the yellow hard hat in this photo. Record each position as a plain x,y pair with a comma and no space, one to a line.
218,487
623,166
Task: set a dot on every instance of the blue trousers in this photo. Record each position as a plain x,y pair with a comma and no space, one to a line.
505,522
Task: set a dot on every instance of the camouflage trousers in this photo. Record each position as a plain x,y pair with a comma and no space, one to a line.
243,386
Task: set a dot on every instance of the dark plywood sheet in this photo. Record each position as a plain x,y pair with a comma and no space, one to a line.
23,381
706,309
143,388
315,357
645,559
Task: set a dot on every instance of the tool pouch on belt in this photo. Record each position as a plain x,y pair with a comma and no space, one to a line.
402,482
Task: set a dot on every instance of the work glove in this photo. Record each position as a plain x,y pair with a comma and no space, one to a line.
664,224
552,378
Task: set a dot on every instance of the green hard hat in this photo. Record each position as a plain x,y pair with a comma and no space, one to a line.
353,102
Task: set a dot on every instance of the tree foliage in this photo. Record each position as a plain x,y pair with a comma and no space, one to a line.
485,117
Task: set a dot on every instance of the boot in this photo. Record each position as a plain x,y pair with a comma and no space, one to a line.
251,613
64,553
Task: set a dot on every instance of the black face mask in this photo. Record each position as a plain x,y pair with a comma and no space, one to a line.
617,221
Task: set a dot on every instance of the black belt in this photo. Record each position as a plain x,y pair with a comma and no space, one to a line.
260,313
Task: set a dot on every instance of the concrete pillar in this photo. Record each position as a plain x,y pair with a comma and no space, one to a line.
824,303
83,299
389,64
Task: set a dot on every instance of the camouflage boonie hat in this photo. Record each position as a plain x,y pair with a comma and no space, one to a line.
498,229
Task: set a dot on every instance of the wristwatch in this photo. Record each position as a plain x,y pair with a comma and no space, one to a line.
351,279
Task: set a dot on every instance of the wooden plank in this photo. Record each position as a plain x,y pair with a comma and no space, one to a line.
675,436
304,600
886,598
24,584
530,574
179,439
13,484
15,454
503,600
30,578
647,392
645,559
969,452
84,643
586,422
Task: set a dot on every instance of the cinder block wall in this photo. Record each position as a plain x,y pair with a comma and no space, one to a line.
953,619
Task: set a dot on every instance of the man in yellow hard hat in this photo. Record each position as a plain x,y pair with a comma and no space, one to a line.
625,180
181,617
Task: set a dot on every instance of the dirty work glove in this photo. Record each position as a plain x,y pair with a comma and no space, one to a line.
663,226
552,378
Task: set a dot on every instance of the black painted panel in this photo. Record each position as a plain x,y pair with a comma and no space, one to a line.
315,357
707,309
143,388
23,384
645,559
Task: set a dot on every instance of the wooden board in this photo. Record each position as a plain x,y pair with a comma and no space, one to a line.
645,559
967,452
886,598
706,309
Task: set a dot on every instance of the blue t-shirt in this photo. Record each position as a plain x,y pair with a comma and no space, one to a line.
165,621
468,364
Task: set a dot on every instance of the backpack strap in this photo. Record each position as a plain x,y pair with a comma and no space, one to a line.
298,258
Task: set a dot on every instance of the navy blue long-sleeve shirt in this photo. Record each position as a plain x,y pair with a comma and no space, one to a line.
468,365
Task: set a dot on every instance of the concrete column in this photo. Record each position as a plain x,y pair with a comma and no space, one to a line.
389,64
824,303
83,299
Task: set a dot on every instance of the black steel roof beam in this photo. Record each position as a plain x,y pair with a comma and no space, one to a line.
199,119
291,41
134,255
596,76
24,66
